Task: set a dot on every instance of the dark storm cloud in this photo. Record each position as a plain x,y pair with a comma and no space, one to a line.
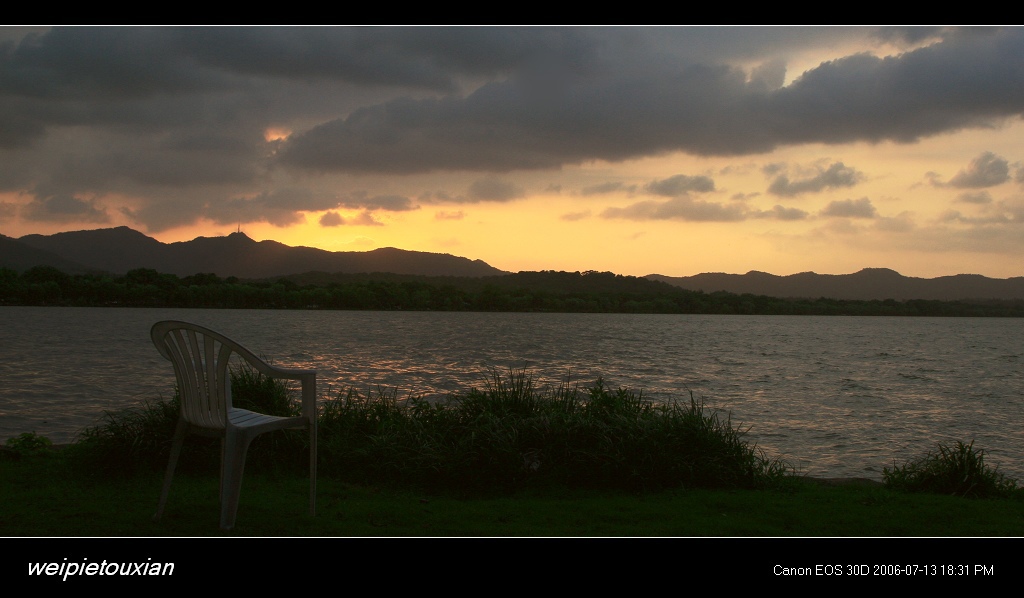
76,63
850,208
125,62
970,80
524,124
187,107
987,170
17,130
387,203
625,107
64,208
284,206
680,184
911,35
181,159
769,76
835,176
279,207
154,113
416,57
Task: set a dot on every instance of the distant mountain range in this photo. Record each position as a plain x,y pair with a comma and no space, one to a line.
118,250
868,284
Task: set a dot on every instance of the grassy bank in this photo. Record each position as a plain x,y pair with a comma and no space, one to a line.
45,496
505,460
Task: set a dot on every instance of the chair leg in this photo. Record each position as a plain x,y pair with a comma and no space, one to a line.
312,470
179,437
223,464
236,446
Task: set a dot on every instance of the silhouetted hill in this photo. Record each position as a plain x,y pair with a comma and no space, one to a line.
865,285
19,256
121,249
114,250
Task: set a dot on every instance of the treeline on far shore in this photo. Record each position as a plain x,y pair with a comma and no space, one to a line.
549,291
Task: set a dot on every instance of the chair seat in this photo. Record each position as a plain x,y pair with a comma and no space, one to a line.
243,418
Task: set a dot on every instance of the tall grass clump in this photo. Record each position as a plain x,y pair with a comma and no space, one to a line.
504,436
139,438
958,470
511,435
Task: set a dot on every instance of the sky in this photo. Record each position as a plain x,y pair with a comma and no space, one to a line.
636,150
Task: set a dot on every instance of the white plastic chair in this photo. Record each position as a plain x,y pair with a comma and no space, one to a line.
201,358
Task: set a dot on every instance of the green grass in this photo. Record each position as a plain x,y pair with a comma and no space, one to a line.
44,495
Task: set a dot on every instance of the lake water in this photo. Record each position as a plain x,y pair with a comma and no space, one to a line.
836,396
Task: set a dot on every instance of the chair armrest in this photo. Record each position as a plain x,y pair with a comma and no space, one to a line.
307,377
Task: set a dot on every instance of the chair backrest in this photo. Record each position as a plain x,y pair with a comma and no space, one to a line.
200,358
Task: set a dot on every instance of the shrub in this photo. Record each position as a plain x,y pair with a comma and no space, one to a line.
960,470
510,435
26,443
